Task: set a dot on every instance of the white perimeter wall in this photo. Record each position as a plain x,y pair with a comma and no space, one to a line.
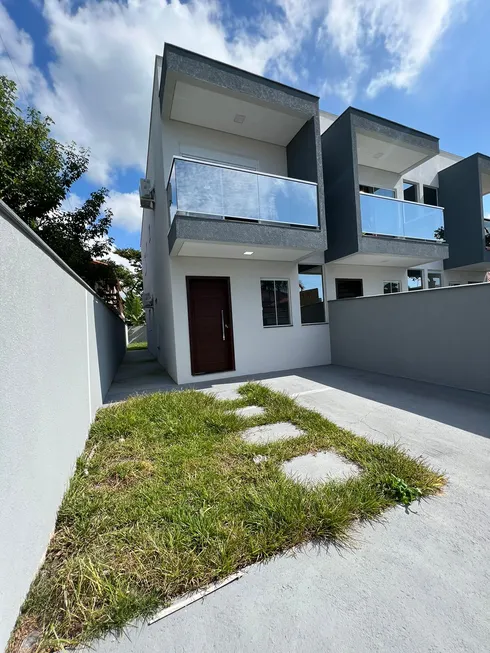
60,347
257,349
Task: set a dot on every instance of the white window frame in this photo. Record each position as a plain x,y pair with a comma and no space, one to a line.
276,326
417,190
392,281
422,278
324,286
436,188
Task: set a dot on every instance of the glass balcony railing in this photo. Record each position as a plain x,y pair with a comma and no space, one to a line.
207,189
386,216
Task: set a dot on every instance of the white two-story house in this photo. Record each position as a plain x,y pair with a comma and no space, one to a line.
259,208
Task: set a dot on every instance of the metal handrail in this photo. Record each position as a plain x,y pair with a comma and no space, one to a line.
398,199
230,167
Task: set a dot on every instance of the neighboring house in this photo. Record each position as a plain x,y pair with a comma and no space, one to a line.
258,208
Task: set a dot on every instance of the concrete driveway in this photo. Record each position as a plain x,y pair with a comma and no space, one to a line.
417,582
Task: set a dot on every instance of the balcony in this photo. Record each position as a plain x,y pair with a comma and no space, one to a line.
207,190
386,216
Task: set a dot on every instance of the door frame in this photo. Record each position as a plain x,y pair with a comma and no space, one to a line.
188,281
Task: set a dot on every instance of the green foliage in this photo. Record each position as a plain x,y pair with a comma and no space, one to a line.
439,233
399,490
138,345
36,174
133,310
131,280
167,498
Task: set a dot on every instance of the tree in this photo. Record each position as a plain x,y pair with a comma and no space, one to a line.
36,174
131,280
133,310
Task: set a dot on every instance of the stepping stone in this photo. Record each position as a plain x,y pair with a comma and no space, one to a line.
271,433
249,411
225,393
323,466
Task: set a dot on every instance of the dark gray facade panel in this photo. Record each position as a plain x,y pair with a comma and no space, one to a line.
401,247
227,231
339,159
460,195
438,336
301,154
304,161
321,187
203,69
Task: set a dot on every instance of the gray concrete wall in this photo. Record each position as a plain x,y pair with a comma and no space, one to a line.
60,347
438,335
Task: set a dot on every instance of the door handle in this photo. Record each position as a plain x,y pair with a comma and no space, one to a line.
223,325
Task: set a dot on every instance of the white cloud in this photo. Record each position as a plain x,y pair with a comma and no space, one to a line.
126,210
389,40
119,260
102,75
16,54
71,202
99,85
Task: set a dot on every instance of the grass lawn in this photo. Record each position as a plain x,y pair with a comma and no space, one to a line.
167,498
138,345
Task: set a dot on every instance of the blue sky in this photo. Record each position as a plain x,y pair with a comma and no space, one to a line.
89,65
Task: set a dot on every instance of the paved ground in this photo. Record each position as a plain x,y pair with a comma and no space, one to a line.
416,583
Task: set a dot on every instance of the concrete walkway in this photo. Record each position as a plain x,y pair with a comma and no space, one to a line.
415,583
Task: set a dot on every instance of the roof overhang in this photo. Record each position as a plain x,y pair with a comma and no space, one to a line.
200,91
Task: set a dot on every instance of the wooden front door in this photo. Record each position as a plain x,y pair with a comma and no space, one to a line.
210,324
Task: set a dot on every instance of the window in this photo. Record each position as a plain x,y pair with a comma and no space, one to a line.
410,191
348,288
374,190
390,287
275,302
311,294
435,279
415,279
430,196
486,231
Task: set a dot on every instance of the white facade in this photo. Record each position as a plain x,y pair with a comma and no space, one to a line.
257,348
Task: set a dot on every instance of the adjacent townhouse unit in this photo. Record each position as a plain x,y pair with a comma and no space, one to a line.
258,208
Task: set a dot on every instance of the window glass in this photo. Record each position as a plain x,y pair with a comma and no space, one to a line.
347,288
410,191
275,302
374,190
430,196
390,287
311,294
435,279
415,279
